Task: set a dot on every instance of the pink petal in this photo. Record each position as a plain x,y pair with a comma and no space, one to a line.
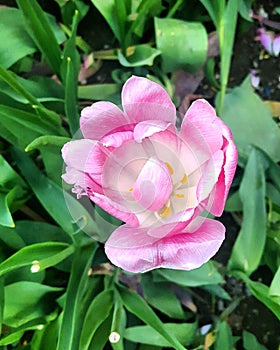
276,45
117,138
133,250
148,128
153,186
115,209
76,153
227,174
266,39
143,99
200,128
101,119
211,172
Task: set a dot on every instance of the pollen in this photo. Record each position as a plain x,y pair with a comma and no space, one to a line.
131,189
184,179
180,195
169,167
166,212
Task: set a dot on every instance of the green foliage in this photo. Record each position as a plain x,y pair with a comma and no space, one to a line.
57,288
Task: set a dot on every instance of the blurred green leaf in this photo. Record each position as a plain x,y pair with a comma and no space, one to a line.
250,342
251,122
46,338
40,30
15,42
160,296
233,202
274,289
53,198
50,149
184,332
108,10
24,301
224,338
261,292
2,302
69,72
98,311
39,256
182,44
204,275
249,246
136,305
245,7
98,91
8,176
72,324
138,55
11,238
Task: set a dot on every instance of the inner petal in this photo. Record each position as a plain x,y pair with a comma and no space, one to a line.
153,186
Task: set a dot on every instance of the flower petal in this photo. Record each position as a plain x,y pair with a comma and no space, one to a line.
149,127
153,186
143,99
101,119
135,251
227,173
200,128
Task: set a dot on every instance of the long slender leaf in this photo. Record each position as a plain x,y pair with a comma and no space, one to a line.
136,305
249,246
38,256
71,326
40,30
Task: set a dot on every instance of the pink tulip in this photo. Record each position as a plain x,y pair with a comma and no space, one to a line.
138,167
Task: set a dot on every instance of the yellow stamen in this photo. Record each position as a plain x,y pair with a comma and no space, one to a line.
184,179
131,189
169,167
166,212
180,195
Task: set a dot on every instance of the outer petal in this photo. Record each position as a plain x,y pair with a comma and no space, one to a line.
143,99
135,251
148,128
200,128
101,119
227,173
153,186
266,39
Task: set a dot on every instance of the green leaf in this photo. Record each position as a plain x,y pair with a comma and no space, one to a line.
245,7
13,121
97,313
182,44
261,292
250,342
184,332
11,238
2,302
69,71
6,218
160,296
136,305
24,302
53,198
50,149
8,176
39,28
249,246
138,55
224,338
98,91
108,10
274,289
39,256
13,34
204,275
72,323
244,110
46,338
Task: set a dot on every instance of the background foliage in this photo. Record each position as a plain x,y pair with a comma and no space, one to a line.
57,289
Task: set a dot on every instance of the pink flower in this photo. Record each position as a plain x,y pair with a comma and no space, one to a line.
270,41
138,167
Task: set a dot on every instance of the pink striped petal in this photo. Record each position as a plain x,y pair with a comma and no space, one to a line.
135,251
101,119
149,127
153,186
143,99
276,45
266,39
